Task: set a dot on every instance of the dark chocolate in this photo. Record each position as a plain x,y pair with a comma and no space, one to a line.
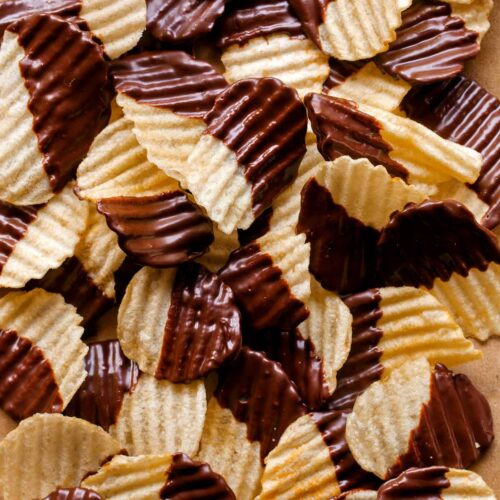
455,428
264,122
259,393
260,226
431,44
340,71
417,484
432,240
203,328
110,375
169,79
123,275
73,494
27,381
69,96
162,230
249,19
342,129
343,249
312,15
262,294
188,480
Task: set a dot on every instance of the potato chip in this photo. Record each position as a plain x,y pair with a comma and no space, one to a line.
219,251
465,484
475,14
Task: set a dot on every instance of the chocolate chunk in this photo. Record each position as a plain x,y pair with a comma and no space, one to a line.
169,79
110,375
462,111
249,19
260,226
73,494
159,231
431,44
311,14
340,71
180,20
432,240
259,393
262,294
264,123
27,381
203,328
342,129
420,484
69,96
187,478
343,249
455,428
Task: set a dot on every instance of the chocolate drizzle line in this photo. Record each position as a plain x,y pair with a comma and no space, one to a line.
27,382
431,44
203,328
69,96
160,231
311,14
249,19
169,79
455,428
418,484
263,296
110,376
340,71
74,494
259,393
342,129
189,479
264,123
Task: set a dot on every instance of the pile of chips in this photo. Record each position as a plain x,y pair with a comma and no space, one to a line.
281,213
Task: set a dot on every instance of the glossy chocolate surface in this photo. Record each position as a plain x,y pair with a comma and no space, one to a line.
69,96
260,226
311,14
73,494
110,375
159,231
259,393
27,381
264,122
262,294
340,71
188,480
169,79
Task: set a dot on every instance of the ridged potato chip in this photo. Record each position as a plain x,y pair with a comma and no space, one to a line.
465,484
475,14
219,250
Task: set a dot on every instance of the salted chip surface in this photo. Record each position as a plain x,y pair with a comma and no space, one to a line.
76,493
58,451
475,14
218,252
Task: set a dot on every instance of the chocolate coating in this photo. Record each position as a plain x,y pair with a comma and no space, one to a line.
249,19
73,494
69,96
455,428
203,328
188,479
311,14
27,382
431,44
159,231
343,249
259,393
340,71
264,123
263,296
432,240
342,129
260,226
110,375
169,79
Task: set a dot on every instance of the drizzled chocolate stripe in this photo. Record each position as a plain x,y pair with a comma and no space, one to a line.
27,381
349,474
160,231
169,79
462,111
431,44
311,14
262,294
343,249
73,494
455,428
426,241
342,129
340,71
264,123
110,375
203,328
180,20
69,96
259,393
14,222
252,18
187,479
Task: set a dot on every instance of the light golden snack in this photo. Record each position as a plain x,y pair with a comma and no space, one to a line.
57,451
219,250
465,484
475,14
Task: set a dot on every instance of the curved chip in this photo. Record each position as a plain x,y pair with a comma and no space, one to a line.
58,452
475,14
219,251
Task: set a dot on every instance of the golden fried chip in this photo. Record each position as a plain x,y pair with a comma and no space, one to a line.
475,13
219,250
